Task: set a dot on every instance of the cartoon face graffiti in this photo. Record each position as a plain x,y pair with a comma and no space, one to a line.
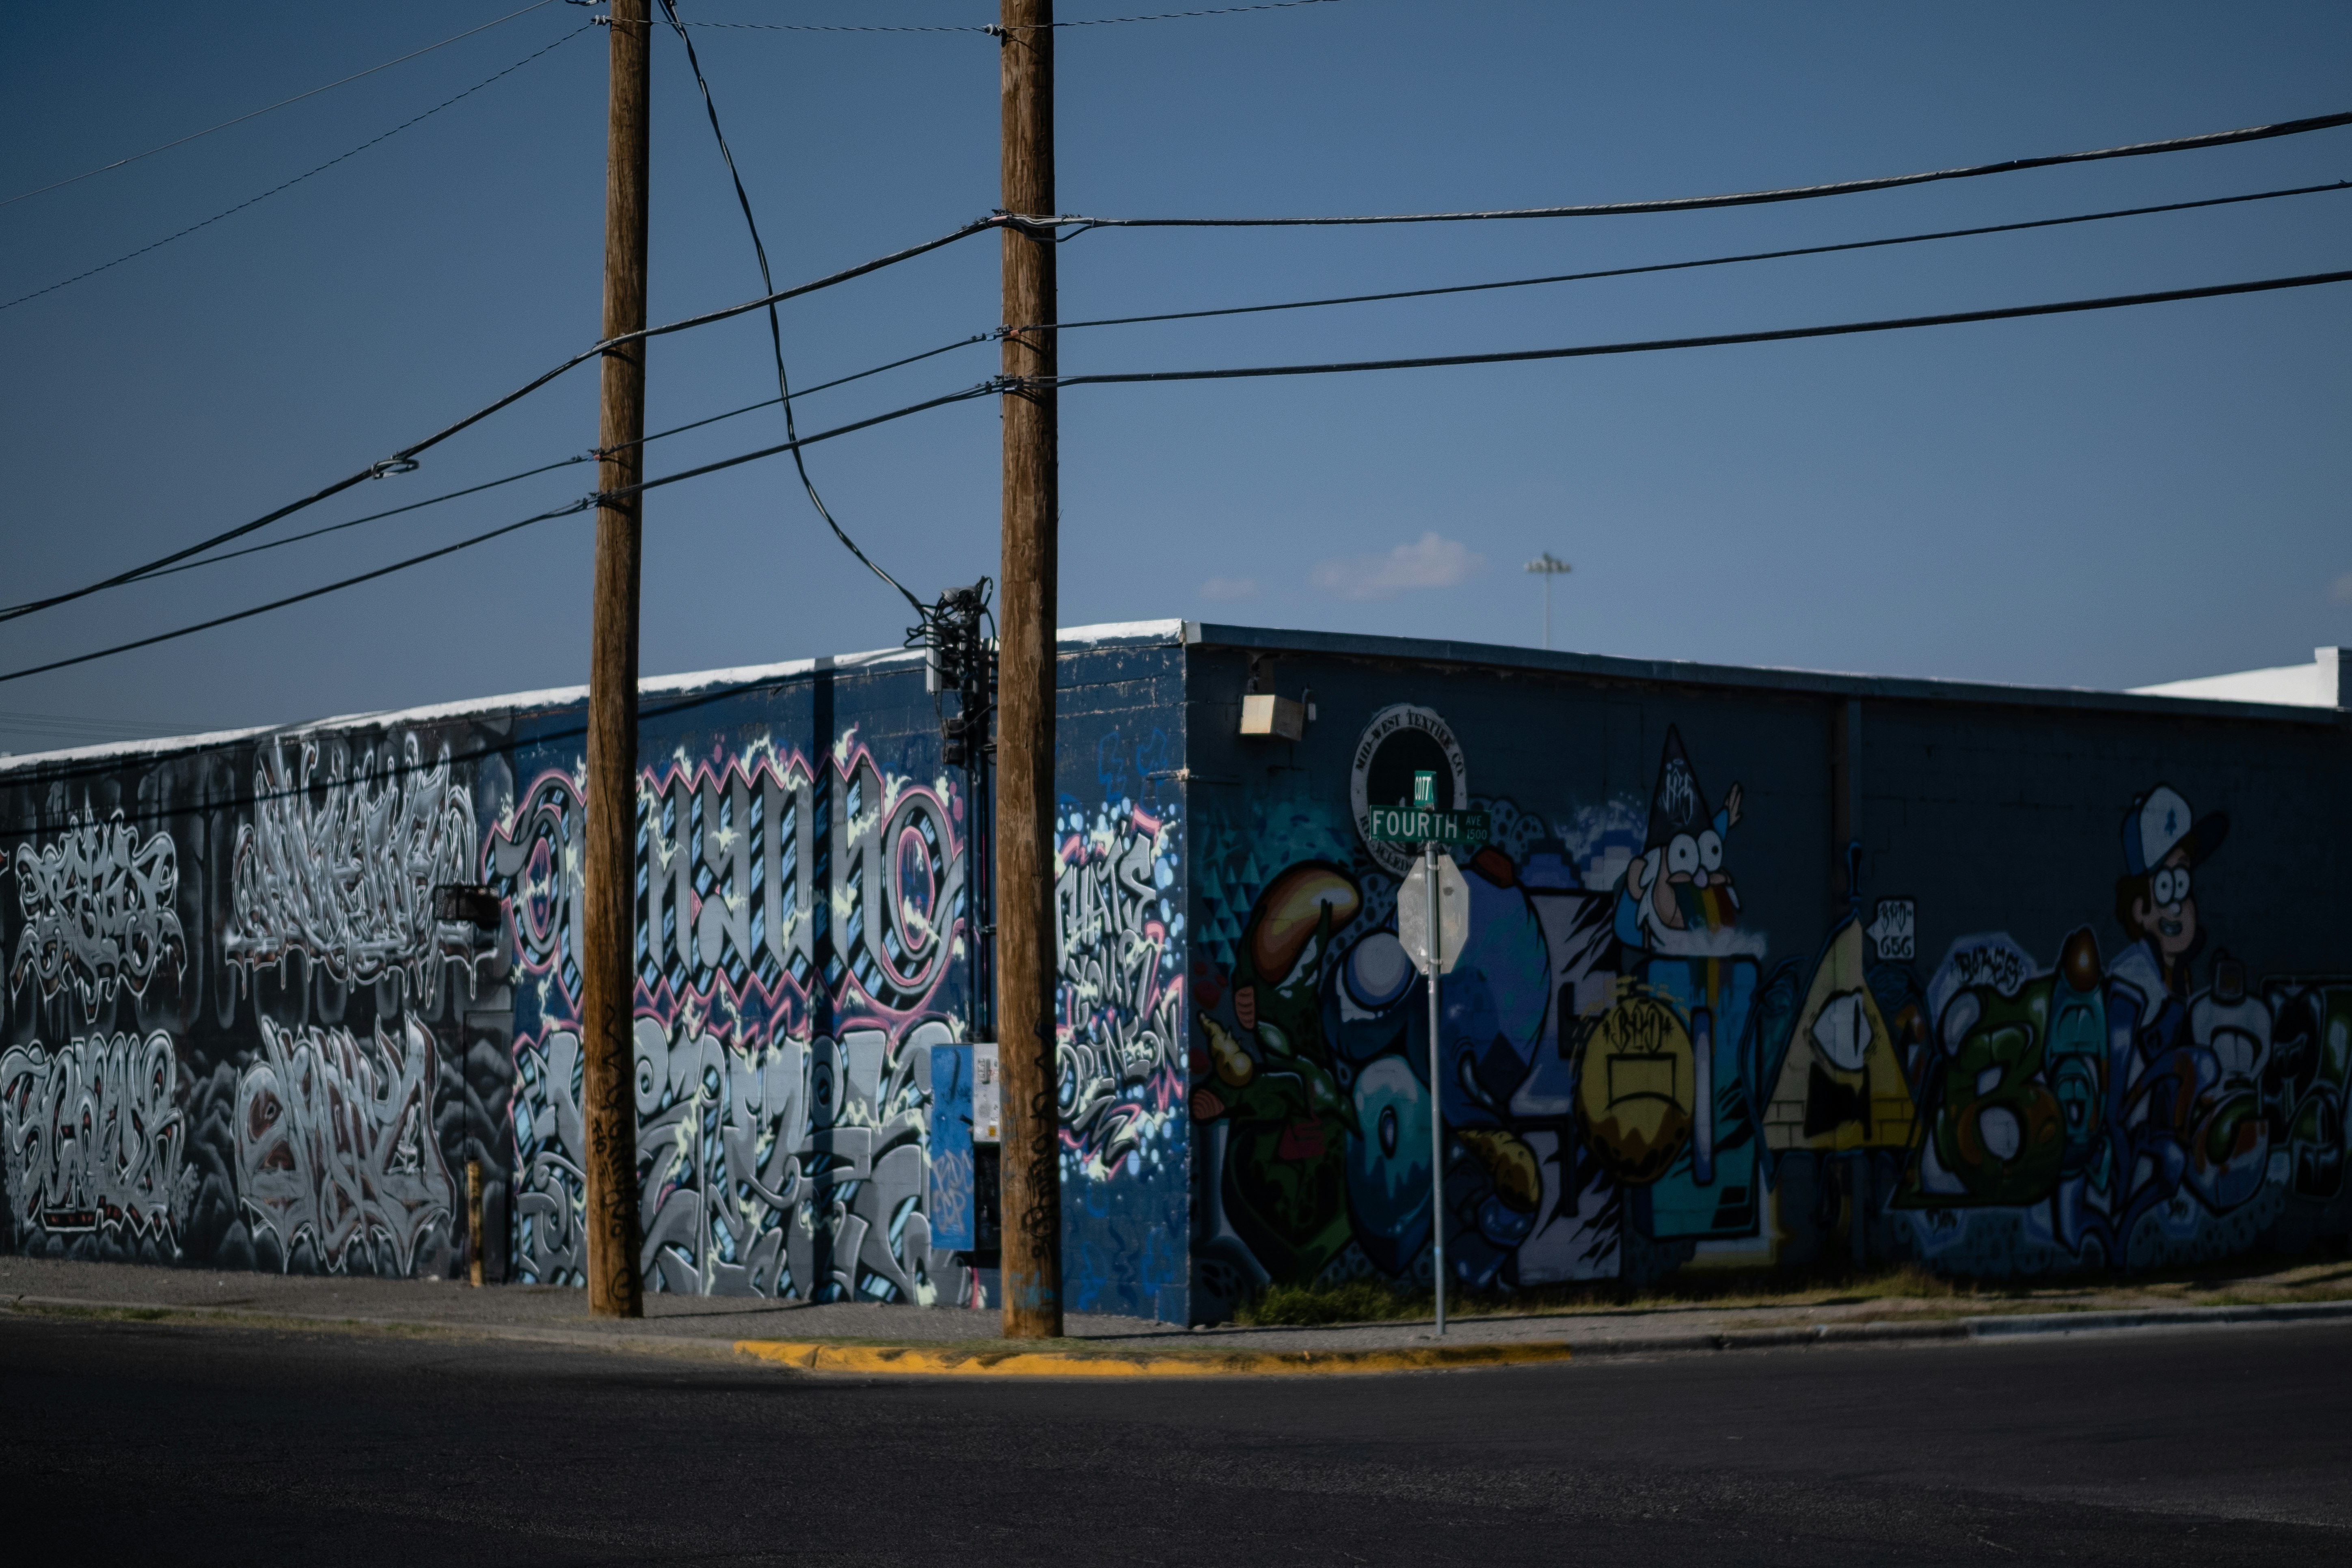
1636,1086
1679,883
2164,842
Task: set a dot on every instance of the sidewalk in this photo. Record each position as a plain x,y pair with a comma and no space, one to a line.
860,1337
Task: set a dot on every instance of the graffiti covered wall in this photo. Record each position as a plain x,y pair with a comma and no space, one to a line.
802,959
1682,1036
238,1033
2002,983
801,919
1121,938
235,1033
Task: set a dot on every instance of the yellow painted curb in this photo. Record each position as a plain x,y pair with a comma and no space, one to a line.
813,1356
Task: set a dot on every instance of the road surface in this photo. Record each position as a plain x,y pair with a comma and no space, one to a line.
191,1445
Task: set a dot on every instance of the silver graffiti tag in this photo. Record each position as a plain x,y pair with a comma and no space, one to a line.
97,906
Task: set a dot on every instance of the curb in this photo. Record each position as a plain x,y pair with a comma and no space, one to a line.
2025,1323
2006,1326
810,1356
933,1361
674,1345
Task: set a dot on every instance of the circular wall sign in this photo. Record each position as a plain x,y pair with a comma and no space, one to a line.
1400,742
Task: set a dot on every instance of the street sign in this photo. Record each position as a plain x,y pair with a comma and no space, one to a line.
1452,914
1423,823
1416,824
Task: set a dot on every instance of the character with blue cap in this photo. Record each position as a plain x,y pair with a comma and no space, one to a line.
2156,901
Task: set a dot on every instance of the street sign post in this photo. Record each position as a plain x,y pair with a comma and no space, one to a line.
1434,925
1452,914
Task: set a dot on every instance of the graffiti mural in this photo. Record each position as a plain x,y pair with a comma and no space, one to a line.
796,925
340,866
1592,1048
795,1171
2108,1108
98,912
96,1142
1118,947
336,1161
2081,1020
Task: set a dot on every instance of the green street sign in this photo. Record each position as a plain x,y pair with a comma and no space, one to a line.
1416,824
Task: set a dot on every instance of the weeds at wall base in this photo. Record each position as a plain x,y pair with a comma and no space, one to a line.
2325,1270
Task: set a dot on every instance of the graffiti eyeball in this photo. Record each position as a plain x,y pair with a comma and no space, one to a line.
1710,850
1682,856
1379,970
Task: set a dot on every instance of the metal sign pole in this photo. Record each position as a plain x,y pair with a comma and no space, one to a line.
1437,1094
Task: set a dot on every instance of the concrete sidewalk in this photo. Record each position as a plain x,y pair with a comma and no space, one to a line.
862,1337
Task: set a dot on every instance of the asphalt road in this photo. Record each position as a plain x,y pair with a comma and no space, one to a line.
149,1442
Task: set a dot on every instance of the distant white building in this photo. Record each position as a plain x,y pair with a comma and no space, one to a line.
2324,682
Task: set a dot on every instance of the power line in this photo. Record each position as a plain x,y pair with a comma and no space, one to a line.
581,504
298,179
404,460
808,392
775,328
985,389
257,113
371,517
1718,340
542,469
988,337
1695,203
994,29
1181,15
979,338
1683,266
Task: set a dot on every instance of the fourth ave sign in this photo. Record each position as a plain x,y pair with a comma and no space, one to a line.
1422,823
1419,825
1432,900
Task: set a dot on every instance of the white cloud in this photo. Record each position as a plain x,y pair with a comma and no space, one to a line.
1431,563
1229,588
2341,592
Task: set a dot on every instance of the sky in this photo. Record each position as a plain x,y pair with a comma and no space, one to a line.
2106,500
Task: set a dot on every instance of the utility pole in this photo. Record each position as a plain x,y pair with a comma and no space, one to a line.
1547,567
608,978
1031,1260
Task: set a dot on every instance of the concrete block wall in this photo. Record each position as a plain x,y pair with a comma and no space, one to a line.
234,1034
1765,969
1688,1035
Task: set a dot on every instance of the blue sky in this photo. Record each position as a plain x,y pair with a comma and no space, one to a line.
2103,500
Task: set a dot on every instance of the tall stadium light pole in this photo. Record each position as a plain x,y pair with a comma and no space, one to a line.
1030,1162
1547,567
608,984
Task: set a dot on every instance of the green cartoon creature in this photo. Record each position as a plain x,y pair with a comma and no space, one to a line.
1270,1079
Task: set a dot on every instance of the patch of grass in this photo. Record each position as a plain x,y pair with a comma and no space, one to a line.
1355,1301
1372,1302
1912,1288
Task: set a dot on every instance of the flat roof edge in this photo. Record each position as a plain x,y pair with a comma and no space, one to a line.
1681,672
692,684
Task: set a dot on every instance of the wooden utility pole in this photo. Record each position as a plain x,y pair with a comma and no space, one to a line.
608,965
1031,1247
